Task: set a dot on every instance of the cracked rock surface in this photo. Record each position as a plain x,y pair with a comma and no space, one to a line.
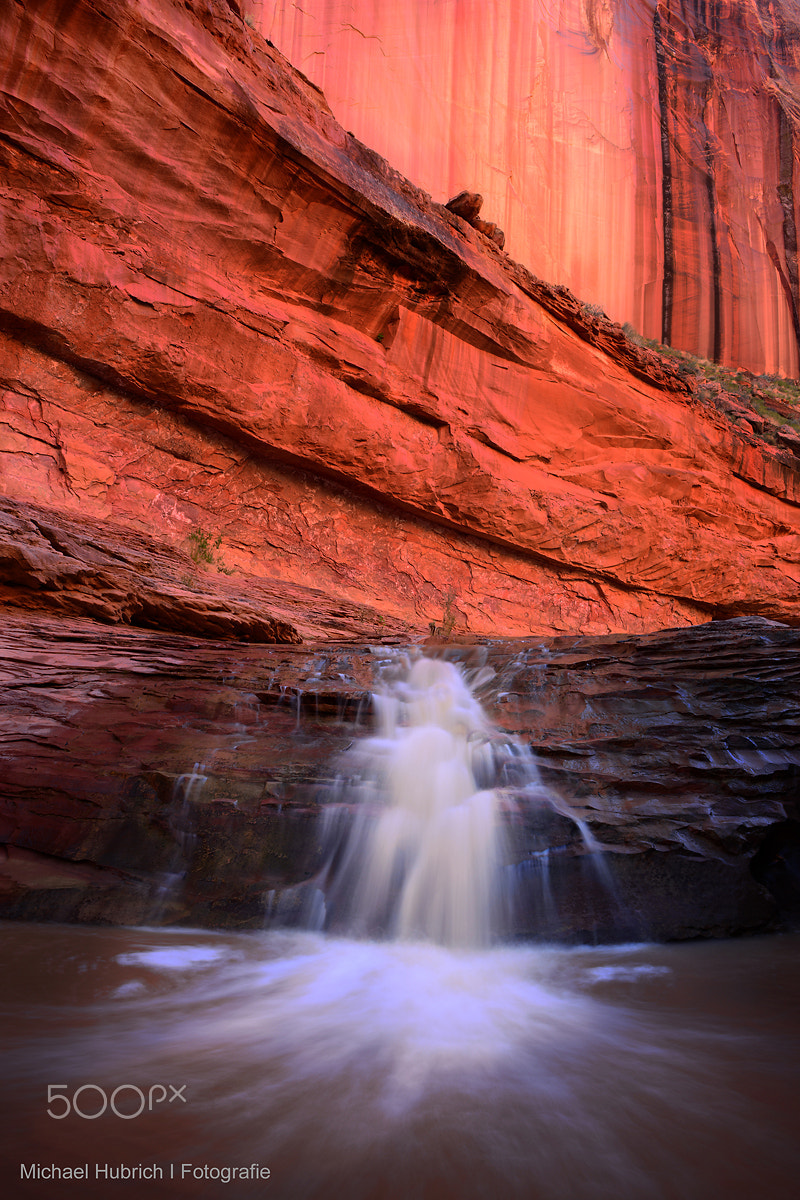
223,317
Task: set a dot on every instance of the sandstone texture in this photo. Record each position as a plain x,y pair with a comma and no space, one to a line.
163,778
235,339
60,563
267,412
643,153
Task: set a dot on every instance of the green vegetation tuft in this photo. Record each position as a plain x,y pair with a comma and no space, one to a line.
771,397
204,551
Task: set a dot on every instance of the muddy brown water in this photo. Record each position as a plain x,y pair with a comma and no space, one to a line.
381,1070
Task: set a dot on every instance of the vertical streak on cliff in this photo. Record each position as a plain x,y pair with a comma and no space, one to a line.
667,282
786,142
716,260
716,270
707,22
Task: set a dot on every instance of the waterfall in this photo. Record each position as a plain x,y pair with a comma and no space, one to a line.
415,834
421,859
186,791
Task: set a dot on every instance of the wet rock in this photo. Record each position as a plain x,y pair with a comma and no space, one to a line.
776,865
156,777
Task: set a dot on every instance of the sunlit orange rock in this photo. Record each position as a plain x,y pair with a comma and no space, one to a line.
643,154
226,323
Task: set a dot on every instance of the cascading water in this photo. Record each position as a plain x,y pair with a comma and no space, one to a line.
415,831
186,791
422,859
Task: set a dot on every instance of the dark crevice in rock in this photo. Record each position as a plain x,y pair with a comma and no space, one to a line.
775,259
48,340
776,865
787,150
716,260
666,181
339,706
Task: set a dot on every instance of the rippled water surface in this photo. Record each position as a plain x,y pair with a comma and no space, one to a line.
385,1070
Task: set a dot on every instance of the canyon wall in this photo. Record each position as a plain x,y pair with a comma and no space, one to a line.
643,154
257,387
247,357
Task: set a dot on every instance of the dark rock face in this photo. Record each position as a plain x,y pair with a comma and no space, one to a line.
681,751
777,864
141,756
154,777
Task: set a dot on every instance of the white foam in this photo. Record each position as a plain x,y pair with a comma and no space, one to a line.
172,958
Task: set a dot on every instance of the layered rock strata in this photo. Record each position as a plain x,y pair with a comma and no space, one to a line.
53,562
229,327
149,777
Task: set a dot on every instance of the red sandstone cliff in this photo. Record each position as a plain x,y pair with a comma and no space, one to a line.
645,154
235,337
